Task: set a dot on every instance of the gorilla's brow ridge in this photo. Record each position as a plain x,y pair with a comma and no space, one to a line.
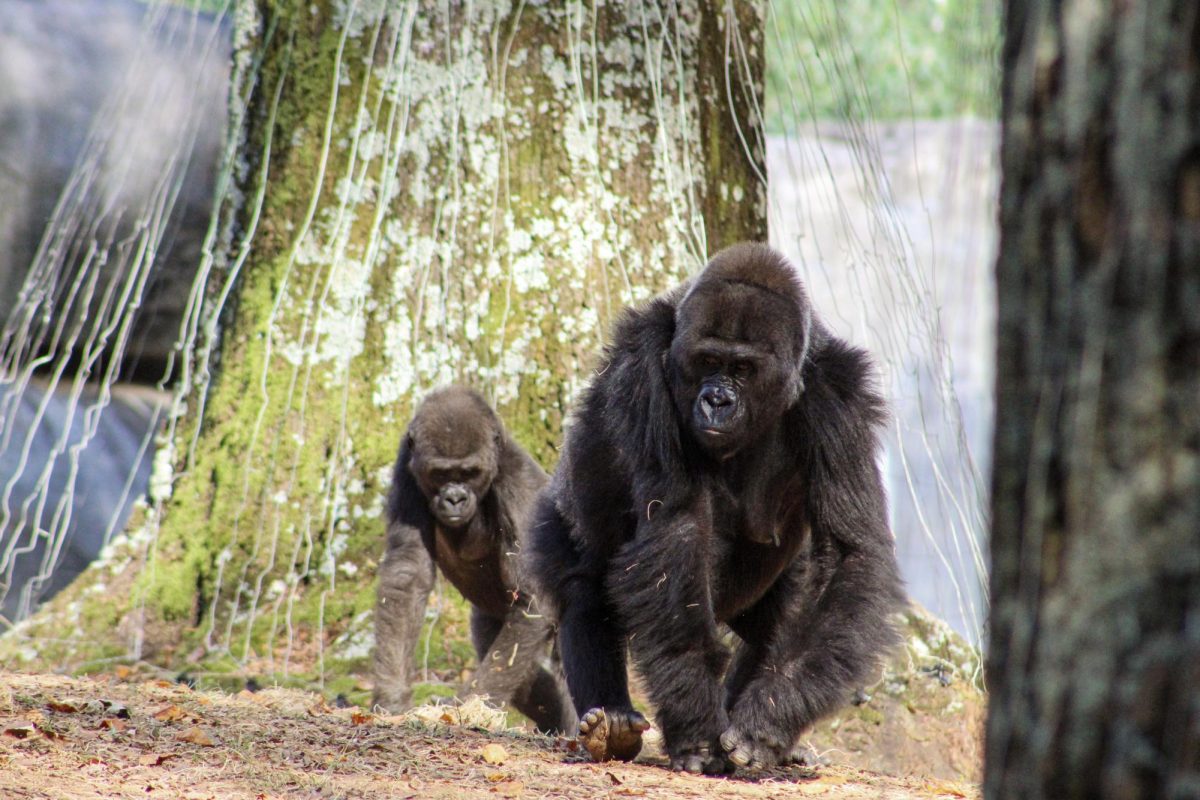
797,296
791,298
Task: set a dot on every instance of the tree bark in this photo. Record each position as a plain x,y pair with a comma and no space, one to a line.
1094,659
425,193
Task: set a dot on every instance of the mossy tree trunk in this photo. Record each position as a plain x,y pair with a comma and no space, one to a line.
424,193
1094,660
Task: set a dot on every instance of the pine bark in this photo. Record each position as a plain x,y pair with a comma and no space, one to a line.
1094,657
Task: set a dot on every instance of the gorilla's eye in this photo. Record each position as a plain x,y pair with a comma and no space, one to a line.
710,361
743,369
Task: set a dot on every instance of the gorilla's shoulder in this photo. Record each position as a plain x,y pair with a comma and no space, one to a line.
645,330
628,408
840,377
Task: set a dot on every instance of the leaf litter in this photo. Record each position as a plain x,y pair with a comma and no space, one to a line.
116,736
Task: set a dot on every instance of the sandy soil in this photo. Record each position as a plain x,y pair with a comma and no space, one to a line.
122,736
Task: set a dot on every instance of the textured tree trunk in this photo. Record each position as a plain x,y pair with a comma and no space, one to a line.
425,192
1094,660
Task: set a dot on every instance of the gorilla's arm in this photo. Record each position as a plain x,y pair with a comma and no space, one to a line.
623,421
661,586
405,580
815,653
513,494
570,571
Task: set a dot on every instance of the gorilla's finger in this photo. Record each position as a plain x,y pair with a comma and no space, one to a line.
741,756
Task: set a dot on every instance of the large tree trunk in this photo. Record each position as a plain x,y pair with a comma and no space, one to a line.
426,192
1094,661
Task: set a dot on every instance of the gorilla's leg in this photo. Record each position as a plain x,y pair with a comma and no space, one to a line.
545,700
516,666
405,579
484,629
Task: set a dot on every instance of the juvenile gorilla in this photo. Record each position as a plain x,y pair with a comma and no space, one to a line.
720,469
462,493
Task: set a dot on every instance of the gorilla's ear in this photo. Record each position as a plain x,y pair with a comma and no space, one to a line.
796,379
795,383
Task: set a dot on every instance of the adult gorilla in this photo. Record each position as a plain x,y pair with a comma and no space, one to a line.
720,469
462,494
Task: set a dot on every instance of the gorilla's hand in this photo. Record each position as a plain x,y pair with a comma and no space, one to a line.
754,748
701,757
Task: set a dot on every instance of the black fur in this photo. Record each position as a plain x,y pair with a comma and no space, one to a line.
462,492
720,469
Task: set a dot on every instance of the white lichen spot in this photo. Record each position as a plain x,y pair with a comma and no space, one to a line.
358,640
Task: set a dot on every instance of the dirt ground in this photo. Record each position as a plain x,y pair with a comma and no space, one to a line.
122,736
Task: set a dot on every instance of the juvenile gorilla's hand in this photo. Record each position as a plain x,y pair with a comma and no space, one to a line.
612,733
758,749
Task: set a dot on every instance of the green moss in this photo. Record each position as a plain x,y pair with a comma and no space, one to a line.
427,692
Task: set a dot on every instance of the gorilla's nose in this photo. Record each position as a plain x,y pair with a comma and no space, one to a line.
716,402
455,496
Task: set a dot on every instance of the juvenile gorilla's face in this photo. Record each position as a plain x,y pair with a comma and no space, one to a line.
733,365
454,488
454,466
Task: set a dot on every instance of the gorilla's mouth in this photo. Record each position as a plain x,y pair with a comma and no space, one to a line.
454,517
717,439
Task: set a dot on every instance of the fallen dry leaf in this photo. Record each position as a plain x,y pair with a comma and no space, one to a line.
113,724
116,709
494,754
63,707
154,759
509,788
195,736
361,717
320,707
947,789
123,672
21,730
171,713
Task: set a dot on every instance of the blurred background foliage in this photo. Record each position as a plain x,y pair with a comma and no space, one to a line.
866,60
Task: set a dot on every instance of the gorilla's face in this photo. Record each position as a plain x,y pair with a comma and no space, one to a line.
733,364
454,488
454,461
